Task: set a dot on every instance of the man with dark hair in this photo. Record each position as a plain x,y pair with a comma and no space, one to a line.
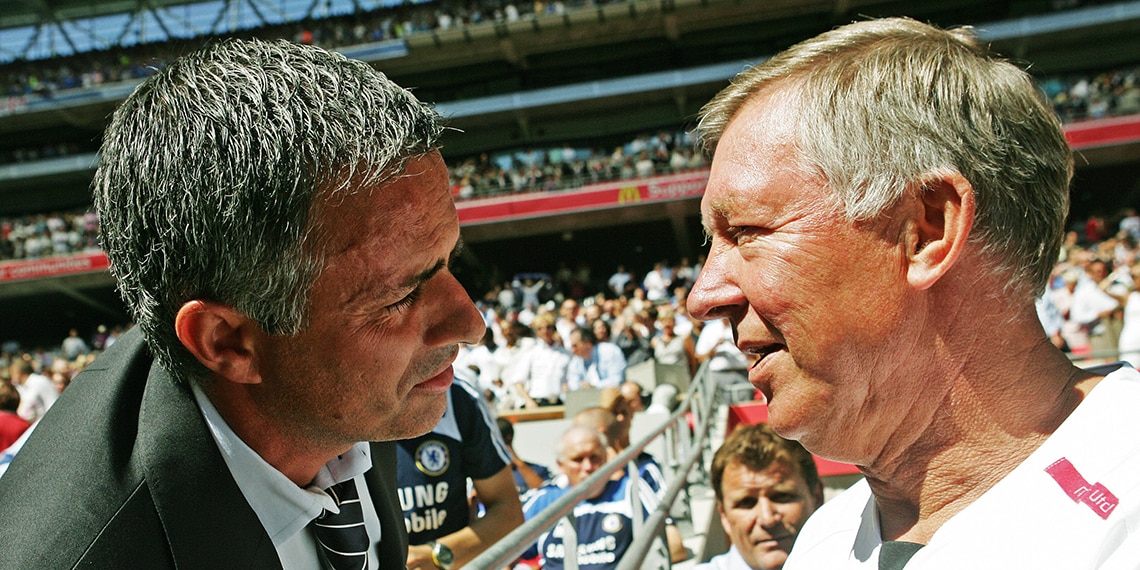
279,222
595,364
766,487
884,206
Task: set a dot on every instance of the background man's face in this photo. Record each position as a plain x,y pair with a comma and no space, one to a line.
582,455
581,348
763,511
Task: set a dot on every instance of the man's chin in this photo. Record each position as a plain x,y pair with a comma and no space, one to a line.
770,559
414,418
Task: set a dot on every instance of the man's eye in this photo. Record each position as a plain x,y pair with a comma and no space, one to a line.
748,234
747,503
406,302
784,498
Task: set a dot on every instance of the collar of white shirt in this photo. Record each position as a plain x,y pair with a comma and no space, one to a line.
283,508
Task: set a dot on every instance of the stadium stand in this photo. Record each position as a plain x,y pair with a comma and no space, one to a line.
569,157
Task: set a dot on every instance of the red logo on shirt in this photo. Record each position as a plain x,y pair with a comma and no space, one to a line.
1095,495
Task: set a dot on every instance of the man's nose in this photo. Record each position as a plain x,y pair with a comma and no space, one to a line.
767,513
459,319
715,293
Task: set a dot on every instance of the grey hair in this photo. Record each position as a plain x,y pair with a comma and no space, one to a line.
211,170
887,105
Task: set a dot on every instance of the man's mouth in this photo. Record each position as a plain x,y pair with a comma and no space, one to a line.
759,353
775,539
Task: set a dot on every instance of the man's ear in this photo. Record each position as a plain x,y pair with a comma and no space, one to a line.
940,225
817,495
221,338
724,522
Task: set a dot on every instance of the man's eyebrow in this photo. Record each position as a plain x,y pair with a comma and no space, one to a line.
718,212
424,276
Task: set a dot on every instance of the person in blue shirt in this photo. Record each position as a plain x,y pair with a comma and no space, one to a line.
433,474
612,419
595,364
604,521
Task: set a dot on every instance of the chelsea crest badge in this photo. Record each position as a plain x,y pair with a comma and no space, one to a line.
432,458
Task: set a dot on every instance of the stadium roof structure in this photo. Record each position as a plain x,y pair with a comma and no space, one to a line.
38,29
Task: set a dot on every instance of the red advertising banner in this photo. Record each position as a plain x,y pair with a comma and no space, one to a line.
593,197
1103,132
53,266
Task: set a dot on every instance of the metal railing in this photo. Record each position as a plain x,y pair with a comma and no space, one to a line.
683,448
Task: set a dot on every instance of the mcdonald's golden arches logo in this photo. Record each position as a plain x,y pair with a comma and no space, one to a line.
629,194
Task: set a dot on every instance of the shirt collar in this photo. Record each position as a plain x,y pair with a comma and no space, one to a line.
283,508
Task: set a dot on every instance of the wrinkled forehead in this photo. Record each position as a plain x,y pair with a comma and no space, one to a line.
581,444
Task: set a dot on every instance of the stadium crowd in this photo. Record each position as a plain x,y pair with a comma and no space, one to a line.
38,78
527,170
1074,97
42,235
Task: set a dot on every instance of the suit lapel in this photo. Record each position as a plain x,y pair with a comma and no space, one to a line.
208,522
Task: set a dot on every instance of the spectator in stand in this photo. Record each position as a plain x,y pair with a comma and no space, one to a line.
530,288
657,283
727,364
601,330
595,364
1129,346
12,426
539,377
37,393
668,348
1093,308
619,280
527,475
480,359
604,519
631,391
766,487
626,334
684,274
1130,223
311,313
568,320
885,302
516,341
1074,334
74,346
61,379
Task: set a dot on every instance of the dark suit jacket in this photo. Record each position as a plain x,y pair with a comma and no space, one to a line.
123,473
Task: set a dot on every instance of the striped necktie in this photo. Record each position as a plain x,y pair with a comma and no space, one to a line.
343,537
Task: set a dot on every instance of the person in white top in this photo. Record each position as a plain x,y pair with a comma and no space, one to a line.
885,204
539,376
37,392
